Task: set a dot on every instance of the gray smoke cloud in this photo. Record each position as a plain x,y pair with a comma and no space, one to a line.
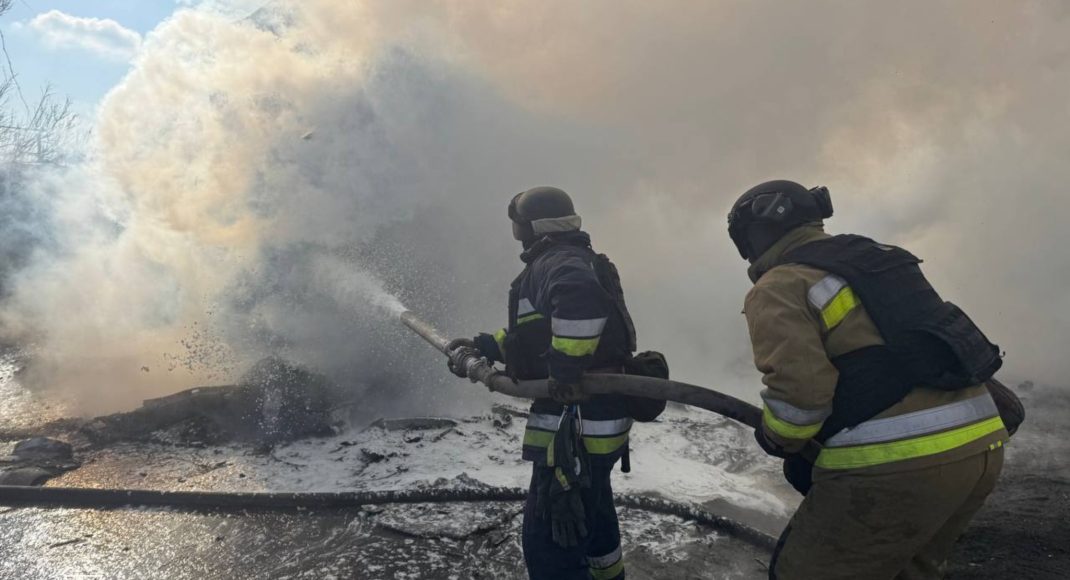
243,163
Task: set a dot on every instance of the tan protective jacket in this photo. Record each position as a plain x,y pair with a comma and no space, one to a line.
802,317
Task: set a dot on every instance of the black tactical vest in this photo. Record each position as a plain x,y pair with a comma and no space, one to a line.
527,341
928,342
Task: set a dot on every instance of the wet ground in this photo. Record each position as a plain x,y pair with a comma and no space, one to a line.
691,457
395,542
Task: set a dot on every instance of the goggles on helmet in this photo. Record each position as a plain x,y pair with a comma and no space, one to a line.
772,207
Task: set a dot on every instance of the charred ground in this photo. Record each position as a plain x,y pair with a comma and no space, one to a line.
1022,530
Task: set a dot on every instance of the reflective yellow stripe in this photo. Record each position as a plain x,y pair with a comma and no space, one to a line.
604,445
528,318
499,337
575,346
878,453
536,438
839,307
789,430
608,573
594,445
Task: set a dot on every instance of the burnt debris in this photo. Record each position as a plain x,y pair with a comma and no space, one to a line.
274,402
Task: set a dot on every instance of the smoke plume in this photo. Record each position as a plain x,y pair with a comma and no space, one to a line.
251,179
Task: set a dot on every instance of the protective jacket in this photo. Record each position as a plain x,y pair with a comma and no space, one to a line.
567,315
815,342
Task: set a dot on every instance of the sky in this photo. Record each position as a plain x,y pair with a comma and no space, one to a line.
82,48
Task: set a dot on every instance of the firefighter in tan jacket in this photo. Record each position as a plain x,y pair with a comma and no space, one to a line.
873,397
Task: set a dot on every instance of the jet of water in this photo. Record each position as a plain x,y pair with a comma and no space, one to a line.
354,287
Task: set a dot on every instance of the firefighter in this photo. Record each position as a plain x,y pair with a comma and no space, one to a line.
567,316
874,398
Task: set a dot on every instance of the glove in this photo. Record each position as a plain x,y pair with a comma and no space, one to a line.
488,347
767,445
568,473
568,521
799,472
457,348
566,393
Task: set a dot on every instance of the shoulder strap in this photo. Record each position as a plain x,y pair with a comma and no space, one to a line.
937,343
886,278
609,278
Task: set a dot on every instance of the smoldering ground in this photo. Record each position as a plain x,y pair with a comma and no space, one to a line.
387,137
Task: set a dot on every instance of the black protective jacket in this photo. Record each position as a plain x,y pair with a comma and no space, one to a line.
566,316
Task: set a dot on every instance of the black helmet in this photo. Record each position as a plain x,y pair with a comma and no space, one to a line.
548,205
769,210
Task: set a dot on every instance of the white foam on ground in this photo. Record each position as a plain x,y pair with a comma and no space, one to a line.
686,456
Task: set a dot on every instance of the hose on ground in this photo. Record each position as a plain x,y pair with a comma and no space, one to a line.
92,498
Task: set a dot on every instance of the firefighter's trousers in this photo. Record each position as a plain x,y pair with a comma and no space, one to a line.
598,556
899,525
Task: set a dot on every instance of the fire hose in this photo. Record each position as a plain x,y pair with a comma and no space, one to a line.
205,501
480,370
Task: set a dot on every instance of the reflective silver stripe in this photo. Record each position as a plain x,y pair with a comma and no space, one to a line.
569,223
605,561
589,328
793,414
823,292
524,308
917,423
608,427
543,421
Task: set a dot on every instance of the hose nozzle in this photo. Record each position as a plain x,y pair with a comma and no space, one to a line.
471,362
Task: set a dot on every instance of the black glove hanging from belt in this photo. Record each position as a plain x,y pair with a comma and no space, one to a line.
559,497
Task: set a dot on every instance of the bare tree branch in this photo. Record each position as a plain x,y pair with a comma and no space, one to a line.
40,135
9,74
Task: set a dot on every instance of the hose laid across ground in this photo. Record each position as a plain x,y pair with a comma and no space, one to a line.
478,370
77,497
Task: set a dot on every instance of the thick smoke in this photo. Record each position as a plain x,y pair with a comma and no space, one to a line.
252,178
942,127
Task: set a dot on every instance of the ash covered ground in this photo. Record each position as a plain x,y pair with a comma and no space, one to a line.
1022,531
691,457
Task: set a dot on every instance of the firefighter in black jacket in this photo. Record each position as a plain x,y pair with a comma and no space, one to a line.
567,316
